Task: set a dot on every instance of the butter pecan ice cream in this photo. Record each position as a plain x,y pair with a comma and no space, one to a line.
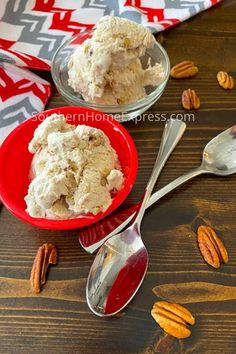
107,69
74,170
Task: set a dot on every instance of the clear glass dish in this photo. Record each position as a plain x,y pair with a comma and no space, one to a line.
119,112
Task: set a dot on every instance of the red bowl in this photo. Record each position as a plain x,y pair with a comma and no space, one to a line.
15,161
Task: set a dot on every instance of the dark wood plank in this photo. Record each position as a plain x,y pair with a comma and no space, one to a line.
58,320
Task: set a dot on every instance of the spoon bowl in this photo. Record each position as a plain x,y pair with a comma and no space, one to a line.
120,266
219,155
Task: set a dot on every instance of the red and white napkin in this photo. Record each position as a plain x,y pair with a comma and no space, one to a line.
32,30
22,94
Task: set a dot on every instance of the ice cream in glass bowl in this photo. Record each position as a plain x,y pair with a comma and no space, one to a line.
117,68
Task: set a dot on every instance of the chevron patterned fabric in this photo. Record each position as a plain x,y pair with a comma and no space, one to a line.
22,94
32,30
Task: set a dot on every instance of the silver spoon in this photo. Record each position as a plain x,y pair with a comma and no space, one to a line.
219,158
121,264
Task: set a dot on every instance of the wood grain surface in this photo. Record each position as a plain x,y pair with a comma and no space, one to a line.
58,320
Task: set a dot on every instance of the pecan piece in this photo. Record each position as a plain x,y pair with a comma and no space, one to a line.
47,254
225,80
211,247
233,130
173,318
184,70
190,100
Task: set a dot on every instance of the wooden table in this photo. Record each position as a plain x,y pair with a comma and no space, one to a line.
58,320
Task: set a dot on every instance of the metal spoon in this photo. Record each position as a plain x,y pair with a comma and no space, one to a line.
219,158
121,264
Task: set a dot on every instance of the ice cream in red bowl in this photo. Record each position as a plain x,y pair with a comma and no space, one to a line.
61,193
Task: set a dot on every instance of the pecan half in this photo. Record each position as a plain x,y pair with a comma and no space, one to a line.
225,80
47,254
190,100
211,247
184,70
173,318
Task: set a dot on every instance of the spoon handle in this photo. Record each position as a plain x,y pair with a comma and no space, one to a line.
174,184
173,131
92,244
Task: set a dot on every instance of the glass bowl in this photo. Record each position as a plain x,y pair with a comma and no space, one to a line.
119,112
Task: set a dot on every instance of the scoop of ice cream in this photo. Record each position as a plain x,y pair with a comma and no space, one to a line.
73,170
127,83
152,74
123,41
115,180
92,194
106,68
54,123
46,191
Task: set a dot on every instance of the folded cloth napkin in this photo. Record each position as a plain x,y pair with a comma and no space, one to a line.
22,94
32,30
